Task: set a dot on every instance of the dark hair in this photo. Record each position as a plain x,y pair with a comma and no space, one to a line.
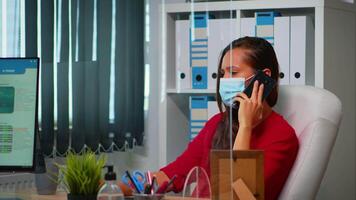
260,55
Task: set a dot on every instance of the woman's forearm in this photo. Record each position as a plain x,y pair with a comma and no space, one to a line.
243,138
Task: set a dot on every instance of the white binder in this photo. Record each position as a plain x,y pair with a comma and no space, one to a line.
281,46
301,50
183,73
213,109
248,27
221,32
281,42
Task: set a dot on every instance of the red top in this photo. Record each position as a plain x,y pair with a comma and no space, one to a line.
274,135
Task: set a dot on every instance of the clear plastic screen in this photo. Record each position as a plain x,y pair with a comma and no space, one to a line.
194,34
197,184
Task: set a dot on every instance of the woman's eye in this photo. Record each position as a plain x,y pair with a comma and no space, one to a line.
223,72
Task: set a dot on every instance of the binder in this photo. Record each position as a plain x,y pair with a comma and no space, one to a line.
221,32
282,46
199,75
213,109
198,114
248,27
281,37
183,74
302,50
265,25
198,38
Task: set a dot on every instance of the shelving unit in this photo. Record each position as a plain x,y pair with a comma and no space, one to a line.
330,19
191,91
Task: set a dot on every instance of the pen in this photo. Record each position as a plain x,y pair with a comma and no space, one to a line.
132,181
148,188
154,185
170,183
148,177
149,181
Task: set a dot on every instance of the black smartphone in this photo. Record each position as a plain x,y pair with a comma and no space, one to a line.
261,77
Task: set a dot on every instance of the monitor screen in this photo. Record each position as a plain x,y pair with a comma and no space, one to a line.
18,112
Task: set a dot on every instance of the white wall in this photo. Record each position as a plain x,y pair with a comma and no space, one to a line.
339,76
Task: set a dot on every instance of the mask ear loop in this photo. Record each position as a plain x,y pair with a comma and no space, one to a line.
248,80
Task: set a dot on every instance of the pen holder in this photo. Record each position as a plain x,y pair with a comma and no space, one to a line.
148,196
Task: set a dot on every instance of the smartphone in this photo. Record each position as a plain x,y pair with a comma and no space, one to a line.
261,77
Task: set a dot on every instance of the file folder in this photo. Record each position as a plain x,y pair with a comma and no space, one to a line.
282,47
183,73
281,37
265,25
221,32
199,50
198,114
248,27
213,109
302,50
199,75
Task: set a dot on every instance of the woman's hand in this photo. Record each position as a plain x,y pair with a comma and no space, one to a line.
250,110
161,177
250,113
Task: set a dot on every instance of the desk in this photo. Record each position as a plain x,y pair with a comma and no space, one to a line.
31,195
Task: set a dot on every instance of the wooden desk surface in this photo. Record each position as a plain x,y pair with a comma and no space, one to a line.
31,195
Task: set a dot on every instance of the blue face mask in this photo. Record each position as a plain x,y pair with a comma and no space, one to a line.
230,87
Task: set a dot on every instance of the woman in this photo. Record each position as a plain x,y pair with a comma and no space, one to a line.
254,125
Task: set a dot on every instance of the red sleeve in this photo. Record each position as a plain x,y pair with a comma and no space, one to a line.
279,158
190,158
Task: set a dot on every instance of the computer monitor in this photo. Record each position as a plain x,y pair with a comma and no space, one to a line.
18,113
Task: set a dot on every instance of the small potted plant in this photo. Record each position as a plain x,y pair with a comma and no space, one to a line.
81,175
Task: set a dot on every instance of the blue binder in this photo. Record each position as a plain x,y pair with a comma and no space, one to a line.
265,25
198,114
200,77
198,51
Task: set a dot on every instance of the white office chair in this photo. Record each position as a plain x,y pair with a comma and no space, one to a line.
315,114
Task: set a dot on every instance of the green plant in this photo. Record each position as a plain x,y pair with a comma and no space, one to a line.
81,174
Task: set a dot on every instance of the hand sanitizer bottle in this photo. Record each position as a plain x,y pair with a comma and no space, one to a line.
110,190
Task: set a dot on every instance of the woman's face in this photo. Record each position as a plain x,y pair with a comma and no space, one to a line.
234,64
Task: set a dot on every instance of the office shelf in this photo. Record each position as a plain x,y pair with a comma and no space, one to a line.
191,91
332,68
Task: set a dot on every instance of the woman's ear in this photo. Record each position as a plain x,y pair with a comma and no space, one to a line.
267,72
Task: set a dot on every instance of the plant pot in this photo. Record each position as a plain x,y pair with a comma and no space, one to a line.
81,197
46,183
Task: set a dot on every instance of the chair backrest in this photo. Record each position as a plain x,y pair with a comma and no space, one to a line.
315,114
